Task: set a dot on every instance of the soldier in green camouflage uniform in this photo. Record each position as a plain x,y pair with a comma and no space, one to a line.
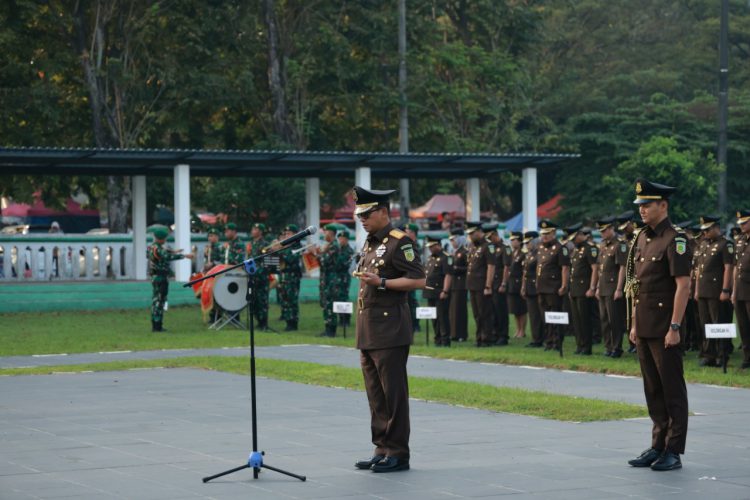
159,256
412,230
290,269
213,252
329,281
344,275
234,249
260,278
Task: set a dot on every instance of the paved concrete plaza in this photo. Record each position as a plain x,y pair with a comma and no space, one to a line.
155,433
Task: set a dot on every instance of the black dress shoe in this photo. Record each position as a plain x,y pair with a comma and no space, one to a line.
577,351
668,461
745,364
585,353
616,354
632,350
366,464
646,458
391,464
707,362
608,353
502,342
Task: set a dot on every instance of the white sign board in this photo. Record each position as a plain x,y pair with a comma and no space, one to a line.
342,307
721,331
426,313
556,318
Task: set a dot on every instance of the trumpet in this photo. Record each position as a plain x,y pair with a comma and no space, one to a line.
270,247
302,249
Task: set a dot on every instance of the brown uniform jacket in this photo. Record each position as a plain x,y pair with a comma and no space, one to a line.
584,256
694,244
660,255
515,277
480,257
529,273
503,259
458,269
551,258
709,266
383,317
742,253
435,270
613,254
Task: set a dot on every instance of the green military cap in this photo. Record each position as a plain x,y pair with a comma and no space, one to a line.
473,226
367,200
344,234
646,192
260,226
707,221
213,230
160,232
412,226
547,226
331,227
231,226
743,216
291,227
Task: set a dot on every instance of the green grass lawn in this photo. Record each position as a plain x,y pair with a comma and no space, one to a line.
472,395
71,332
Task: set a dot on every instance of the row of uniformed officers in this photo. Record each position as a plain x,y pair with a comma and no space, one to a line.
538,273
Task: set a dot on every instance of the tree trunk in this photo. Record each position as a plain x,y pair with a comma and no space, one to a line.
277,77
118,188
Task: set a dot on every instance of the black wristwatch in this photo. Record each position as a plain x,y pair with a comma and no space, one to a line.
674,326
726,290
382,284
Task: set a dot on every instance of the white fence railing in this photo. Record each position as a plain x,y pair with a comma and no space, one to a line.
41,257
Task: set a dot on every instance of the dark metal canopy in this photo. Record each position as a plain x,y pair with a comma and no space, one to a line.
250,163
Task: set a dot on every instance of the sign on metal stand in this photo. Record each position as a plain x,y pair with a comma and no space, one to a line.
342,308
427,313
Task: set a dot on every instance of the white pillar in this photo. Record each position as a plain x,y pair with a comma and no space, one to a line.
312,204
140,263
472,199
182,220
529,199
362,178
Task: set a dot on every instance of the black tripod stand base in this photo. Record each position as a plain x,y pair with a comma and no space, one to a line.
255,472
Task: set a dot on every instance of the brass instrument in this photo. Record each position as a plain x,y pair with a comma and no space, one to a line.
269,247
302,249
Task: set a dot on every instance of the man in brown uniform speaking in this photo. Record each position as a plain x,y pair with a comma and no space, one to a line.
388,269
658,285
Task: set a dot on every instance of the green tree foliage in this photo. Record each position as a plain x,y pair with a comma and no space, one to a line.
662,160
590,76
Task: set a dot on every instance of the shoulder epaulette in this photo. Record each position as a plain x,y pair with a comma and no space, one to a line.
397,233
678,229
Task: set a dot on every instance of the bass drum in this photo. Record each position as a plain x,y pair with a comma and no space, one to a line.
229,291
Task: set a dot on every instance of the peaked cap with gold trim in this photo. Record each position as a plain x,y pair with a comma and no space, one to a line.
367,200
646,192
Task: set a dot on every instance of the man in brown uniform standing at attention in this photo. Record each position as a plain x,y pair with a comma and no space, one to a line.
658,285
479,278
552,271
388,269
458,314
713,270
741,291
437,289
584,276
613,254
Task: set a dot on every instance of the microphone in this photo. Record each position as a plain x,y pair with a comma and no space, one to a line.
299,236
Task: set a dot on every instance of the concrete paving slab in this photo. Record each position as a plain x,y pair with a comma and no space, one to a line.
155,434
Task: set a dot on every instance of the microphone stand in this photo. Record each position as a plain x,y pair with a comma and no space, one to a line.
255,460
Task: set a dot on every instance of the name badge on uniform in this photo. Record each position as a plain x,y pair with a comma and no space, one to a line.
380,251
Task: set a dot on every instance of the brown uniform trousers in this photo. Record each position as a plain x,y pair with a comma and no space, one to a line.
612,257
583,257
551,258
435,270
532,300
481,256
742,293
384,333
713,256
458,315
500,320
661,254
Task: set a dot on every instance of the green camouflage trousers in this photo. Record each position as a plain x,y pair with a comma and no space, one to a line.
160,288
289,297
328,295
260,309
